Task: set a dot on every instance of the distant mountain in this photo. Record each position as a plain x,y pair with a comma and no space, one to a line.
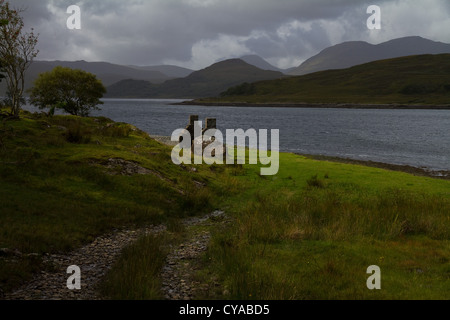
204,83
130,88
260,63
349,54
411,80
168,70
107,72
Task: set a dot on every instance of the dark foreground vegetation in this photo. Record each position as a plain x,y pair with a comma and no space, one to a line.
309,232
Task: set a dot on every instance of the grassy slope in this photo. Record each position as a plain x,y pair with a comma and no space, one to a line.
421,79
294,236
56,192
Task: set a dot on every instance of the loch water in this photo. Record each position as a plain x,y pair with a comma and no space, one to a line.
419,138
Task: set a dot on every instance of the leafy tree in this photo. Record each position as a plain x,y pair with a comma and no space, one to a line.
17,51
74,91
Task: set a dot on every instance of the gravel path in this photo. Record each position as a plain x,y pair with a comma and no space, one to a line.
178,274
96,258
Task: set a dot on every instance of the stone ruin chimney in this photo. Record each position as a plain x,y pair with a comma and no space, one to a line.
190,127
210,124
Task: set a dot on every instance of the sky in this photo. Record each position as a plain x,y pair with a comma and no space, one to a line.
197,33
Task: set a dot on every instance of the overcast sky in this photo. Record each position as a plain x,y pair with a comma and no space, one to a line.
197,33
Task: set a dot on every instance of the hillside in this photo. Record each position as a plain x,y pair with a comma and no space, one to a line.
349,54
168,70
423,79
65,180
204,83
260,63
108,73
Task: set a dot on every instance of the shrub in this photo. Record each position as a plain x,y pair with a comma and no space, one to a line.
412,89
117,130
315,182
77,134
240,90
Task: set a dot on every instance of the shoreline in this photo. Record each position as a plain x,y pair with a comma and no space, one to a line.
438,174
164,140
315,105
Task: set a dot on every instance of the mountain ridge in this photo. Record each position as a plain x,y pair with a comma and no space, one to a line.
411,80
168,70
161,81
260,63
207,82
108,73
352,53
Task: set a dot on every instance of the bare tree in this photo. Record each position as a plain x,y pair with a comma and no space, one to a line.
17,51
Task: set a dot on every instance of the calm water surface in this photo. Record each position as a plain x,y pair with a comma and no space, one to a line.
419,138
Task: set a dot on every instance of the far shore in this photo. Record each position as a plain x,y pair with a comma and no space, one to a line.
315,105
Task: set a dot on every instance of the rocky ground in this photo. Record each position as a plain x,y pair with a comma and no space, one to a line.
96,258
178,274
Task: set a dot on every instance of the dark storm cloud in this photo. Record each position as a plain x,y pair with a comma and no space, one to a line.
196,33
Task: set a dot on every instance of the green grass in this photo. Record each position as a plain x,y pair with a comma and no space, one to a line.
58,193
135,276
311,232
423,79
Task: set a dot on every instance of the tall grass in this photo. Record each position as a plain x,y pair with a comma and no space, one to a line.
116,130
329,215
315,244
77,133
135,276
